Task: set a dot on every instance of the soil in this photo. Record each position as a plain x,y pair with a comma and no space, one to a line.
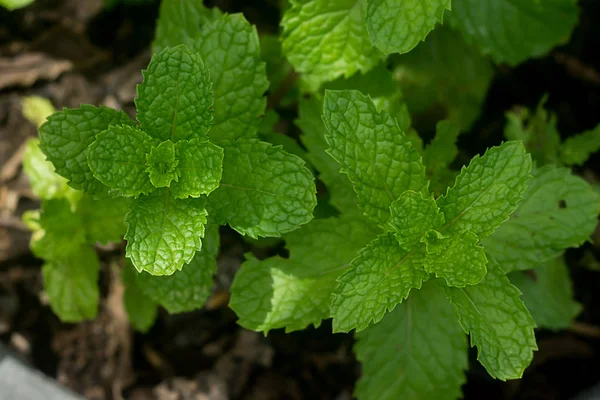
76,51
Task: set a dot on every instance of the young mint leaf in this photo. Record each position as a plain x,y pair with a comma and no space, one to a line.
103,219
141,310
161,164
230,48
558,211
498,323
179,22
65,137
487,191
326,39
577,149
412,215
548,294
188,289
71,282
512,31
117,158
417,351
442,150
200,168
296,292
377,157
163,232
380,277
175,101
397,27
264,190
457,258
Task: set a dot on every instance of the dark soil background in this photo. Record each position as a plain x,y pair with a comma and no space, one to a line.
76,51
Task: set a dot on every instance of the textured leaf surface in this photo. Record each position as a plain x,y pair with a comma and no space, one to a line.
230,48
65,137
397,27
577,149
326,39
117,158
188,289
418,351
559,210
71,284
296,292
161,164
141,310
379,160
498,323
103,219
200,168
548,294
179,22
458,259
45,183
163,233
512,31
380,277
264,190
487,191
412,215
175,100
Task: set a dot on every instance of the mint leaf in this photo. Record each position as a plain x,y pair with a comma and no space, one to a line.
412,215
103,219
188,289
65,137
295,292
45,183
442,150
577,149
164,233
200,168
264,190
179,22
175,100
324,40
498,323
71,284
377,157
558,211
417,351
397,27
487,191
15,4
117,158
141,310
511,31
230,48
548,294
161,164
457,258
380,277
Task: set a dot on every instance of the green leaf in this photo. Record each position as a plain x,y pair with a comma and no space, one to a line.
161,164
140,308
412,215
558,211
230,48
577,149
188,289
380,277
498,323
117,158
377,157
442,150
487,191
103,219
36,109
326,39
179,22
397,27
200,168
296,292
512,32
175,101
164,233
548,294
14,4
457,258
264,190
65,137
71,283
417,351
